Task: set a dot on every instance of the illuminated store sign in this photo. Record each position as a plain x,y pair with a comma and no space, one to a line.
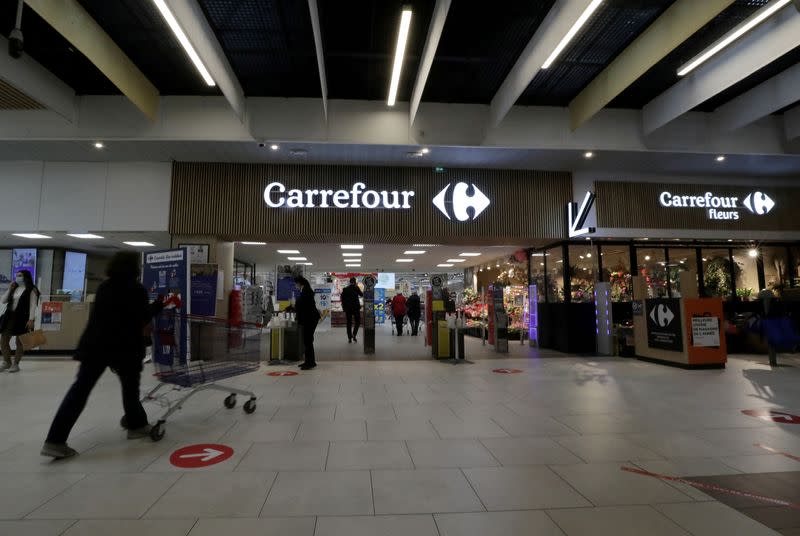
277,196
461,200
719,207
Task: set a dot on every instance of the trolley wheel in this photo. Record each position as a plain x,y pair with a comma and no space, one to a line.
157,432
230,401
123,422
250,406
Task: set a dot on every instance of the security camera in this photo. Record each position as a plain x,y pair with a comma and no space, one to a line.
15,43
261,144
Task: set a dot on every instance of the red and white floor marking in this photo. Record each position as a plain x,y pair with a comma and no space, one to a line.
507,371
772,416
202,455
282,373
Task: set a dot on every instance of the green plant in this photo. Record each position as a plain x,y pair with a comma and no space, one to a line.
717,276
744,293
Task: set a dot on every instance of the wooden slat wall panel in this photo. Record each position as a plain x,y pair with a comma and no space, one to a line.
226,200
636,205
13,99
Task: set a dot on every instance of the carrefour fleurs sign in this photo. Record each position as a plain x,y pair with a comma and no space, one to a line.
719,207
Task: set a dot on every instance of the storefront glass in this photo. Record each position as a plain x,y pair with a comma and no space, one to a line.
555,275
717,273
746,270
617,271
652,267
583,272
681,260
537,274
776,267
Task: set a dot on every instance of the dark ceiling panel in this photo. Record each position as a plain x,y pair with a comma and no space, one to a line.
479,46
269,43
56,54
359,38
664,74
138,29
614,26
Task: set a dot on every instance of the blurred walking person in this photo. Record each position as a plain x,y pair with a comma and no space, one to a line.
399,311
21,299
352,309
414,306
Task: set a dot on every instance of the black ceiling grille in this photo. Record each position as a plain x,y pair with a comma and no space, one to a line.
609,31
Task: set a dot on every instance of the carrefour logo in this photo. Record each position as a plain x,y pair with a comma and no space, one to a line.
719,207
457,204
661,315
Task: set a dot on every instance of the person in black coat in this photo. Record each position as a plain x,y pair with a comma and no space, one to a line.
414,312
352,309
114,338
307,318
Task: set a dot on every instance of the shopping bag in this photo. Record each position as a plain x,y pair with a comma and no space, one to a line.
33,339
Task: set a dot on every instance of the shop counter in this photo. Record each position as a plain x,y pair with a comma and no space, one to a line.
63,324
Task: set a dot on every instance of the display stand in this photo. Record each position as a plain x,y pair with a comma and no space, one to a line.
500,332
279,338
368,335
456,334
440,333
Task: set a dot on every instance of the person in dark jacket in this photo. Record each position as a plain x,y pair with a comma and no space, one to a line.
399,311
307,318
21,299
414,311
352,309
113,338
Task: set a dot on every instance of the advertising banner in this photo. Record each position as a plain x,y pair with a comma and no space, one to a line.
51,316
664,324
204,289
380,306
322,295
23,259
705,331
166,273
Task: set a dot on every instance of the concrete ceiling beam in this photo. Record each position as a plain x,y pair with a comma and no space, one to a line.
428,54
323,80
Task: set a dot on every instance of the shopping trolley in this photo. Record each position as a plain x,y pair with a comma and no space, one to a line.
193,353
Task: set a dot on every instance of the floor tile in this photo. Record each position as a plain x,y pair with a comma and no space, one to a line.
532,426
450,453
20,494
422,525
35,527
523,488
402,430
304,414
529,451
332,431
765,463
353,455
287,456
677,445
467,428
605,448
607,485
262,432
423,491
132,527
497,524
688,467
107,496
616,521
297,526
318,494
347,412
713,519
214,495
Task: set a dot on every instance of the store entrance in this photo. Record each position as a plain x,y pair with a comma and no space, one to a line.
265,270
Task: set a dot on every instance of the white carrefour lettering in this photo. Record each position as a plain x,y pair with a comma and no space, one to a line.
664,199
276,195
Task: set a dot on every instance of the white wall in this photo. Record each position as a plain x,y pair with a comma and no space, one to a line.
85,196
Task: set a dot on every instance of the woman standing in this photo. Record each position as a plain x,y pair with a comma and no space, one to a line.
307,317
114,338
21,302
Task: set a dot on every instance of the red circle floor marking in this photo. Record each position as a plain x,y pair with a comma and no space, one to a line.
202,455
282,373
507,371
772,416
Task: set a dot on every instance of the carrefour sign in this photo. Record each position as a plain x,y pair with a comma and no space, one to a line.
719,207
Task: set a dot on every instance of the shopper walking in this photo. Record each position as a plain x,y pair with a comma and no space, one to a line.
307,318
21,299
399,311
352,309
113,338
414,306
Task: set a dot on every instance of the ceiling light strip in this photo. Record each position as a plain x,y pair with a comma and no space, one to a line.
399,54
572,32
184,41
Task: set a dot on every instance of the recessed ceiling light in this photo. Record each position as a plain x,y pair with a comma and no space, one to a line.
353,265
753,253
721,158
399,54
289,251
140,244
351,246
456,260
85,236
99,145
32,236
647,257
297,258
305,263
444,265
570,35
414,252
425,150
588,154
184,41
274,147
469,254
253,243
425,245
730,240
404,260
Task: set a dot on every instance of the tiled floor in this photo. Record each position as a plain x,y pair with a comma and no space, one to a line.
384,447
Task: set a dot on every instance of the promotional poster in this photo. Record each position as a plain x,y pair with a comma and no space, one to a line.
166,273
204,289
23,259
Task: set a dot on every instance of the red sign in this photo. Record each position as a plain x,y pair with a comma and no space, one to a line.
772,416
197,456
507,371
282,373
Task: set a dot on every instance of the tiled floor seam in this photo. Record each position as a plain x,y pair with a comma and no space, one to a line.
576,490
662,514
246,452
196,521
84,477
473,489
266,499
68,527
147,510
372,489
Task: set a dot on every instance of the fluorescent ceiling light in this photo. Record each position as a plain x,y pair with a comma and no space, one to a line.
572,32
184,41
306,263
469,255
140,244
352,255
85,236
99,145
425,245
444,265
32,236
289,251
253,243
297,258
351,246
353,265
404,260
757,18
414,252
456,260
399,54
